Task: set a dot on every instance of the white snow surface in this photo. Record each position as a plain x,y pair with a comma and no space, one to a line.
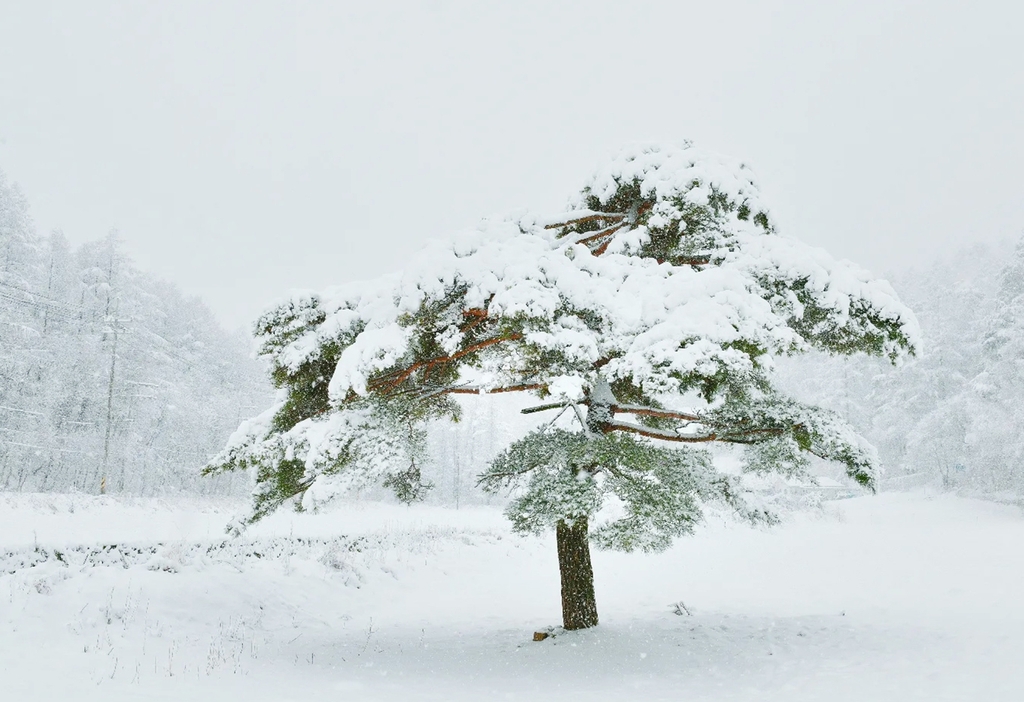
903,596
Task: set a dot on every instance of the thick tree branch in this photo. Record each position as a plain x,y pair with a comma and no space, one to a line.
662,434
389,382
739,437
607,231
474,317
614,216
542,408
423,393
655,412
640,211
602,248
692,261
734,437
493,391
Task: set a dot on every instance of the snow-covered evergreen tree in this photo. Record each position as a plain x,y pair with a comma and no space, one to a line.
651,312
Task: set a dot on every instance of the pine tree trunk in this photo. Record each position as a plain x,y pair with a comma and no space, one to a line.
579,607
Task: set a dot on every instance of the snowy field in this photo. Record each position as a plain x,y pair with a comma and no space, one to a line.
896,597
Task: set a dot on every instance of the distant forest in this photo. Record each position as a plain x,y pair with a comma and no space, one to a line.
954,415
110,379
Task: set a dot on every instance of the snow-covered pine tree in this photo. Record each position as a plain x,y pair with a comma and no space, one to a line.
662,295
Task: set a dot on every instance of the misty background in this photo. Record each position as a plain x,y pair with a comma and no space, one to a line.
236,151
243,149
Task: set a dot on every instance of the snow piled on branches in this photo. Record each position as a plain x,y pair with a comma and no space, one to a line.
666,276
518,267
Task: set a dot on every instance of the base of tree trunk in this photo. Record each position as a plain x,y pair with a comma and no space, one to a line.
579,606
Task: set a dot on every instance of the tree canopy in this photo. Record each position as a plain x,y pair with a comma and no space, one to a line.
662,294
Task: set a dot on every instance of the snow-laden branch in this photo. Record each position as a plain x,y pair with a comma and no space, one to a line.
745,436
599,234
494,391
426,392
654,412
543,408
590,217
391,381
663,434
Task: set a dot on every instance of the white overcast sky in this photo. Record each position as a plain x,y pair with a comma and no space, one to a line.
246,149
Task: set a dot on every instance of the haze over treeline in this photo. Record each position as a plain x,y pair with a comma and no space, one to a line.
953,413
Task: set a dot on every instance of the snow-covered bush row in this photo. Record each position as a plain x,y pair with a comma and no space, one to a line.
348,555
171,557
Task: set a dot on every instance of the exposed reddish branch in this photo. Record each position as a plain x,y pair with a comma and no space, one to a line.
493,391
657,433
542,408
389,382
588,218
640,211
475,317
607,231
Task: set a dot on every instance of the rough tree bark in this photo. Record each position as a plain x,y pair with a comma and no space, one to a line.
579,606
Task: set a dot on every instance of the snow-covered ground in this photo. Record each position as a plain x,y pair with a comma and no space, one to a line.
896,597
